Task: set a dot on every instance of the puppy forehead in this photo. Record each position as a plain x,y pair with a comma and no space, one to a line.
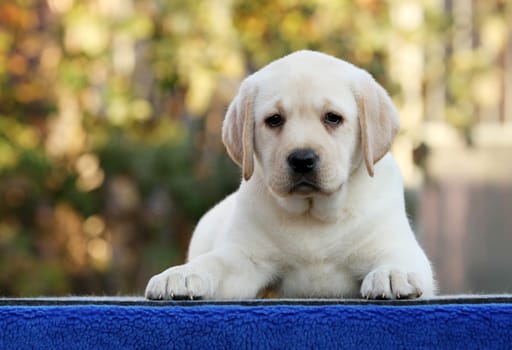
294,90
307,80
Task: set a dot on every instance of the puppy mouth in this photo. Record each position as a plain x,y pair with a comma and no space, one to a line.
304,187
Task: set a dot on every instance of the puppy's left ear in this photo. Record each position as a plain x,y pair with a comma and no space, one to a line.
238,129
378,119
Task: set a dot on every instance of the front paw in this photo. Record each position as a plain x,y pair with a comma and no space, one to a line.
388,282
179,282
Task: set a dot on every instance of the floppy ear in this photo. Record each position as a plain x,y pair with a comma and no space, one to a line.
238,130
378,119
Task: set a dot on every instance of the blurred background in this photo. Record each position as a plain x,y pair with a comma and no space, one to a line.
110,116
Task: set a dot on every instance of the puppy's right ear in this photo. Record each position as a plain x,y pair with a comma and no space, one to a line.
238,129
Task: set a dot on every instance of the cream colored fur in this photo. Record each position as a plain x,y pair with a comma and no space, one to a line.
348,238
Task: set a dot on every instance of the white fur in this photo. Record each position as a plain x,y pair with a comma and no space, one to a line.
350,239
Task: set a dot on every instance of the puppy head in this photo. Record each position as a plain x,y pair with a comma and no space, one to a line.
305,121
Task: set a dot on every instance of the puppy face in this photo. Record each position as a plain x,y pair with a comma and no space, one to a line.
306,130
306,121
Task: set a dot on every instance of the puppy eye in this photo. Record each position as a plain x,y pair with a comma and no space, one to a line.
274,121
333,119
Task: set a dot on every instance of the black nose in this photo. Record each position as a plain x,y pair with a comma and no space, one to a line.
303,161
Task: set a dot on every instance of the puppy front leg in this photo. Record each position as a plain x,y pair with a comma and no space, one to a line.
220,274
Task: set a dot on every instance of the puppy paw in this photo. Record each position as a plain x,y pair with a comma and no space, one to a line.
179,282
387,282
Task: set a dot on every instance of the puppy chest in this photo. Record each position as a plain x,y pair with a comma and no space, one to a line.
318,280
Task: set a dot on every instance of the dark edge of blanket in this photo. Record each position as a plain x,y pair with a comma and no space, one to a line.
140,301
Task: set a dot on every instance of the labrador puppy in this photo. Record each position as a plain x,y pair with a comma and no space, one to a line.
320,210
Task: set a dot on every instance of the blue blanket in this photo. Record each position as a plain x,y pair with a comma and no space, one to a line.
136,324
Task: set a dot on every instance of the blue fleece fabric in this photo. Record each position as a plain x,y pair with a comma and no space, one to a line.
463,326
